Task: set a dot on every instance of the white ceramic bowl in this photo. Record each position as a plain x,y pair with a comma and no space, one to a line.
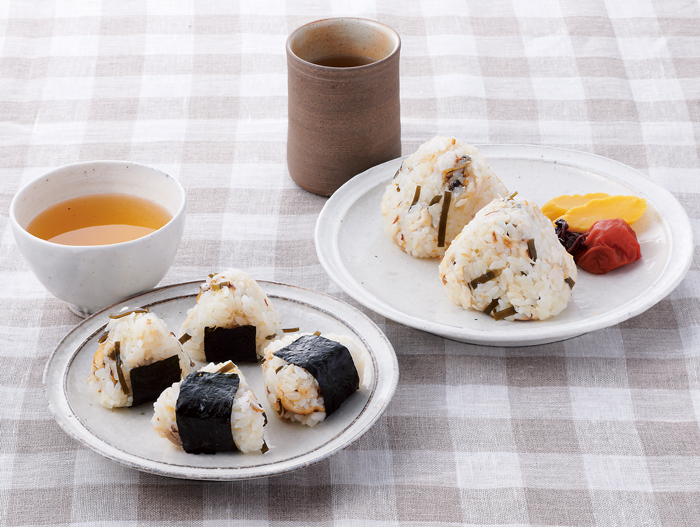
90,278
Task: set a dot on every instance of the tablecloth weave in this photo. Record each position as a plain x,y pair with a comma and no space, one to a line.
599,430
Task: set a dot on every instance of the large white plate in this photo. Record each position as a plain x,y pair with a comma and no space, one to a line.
364,262
125,435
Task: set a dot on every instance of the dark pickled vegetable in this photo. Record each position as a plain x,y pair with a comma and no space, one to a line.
203,412
454,177
572,241
507,312
184,338
531,250
570,281
442,226
103,337
329,362
120,373
436,199
416,196
216,286
226,367
491,306
235,344
148,382
129,312
290,330
454,184
486,277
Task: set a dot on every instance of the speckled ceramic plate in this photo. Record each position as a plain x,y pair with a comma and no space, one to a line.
365,263
125,435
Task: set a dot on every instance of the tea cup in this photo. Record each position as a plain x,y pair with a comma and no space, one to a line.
90,278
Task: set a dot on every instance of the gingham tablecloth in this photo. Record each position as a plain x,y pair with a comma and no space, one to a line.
598,430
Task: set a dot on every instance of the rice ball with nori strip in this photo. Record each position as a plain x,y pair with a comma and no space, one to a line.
435,193
308,376
233,319
212,410
136,360
508,263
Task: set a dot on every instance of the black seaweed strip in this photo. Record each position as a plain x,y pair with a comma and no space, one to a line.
329,362
416,196
507,312
234,344
148,382
491,306
531,250
203,412
120,373
442,226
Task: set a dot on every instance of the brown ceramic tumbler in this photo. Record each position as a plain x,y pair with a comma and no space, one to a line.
343,119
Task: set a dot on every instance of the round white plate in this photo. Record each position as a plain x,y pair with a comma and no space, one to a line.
125,435
365,263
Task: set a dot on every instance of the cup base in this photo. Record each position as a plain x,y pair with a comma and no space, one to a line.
82,312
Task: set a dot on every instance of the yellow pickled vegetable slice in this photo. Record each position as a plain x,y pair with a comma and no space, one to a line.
555,208
629,208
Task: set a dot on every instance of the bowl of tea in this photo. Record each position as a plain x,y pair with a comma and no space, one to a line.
95,233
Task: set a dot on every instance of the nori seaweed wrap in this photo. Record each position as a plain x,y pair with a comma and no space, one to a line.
234,344
147,382
203,412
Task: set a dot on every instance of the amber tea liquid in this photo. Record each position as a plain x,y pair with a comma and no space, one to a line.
99,219
343,61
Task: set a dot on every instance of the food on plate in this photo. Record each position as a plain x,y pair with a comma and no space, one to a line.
608,244
584,211
233,319
570,240
508,263
555,208
211,410
137,358
628,208
435,193
308,376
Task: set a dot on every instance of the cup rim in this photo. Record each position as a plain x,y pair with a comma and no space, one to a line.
376,63
18,228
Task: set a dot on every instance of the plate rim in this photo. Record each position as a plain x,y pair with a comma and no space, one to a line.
679,230
381,392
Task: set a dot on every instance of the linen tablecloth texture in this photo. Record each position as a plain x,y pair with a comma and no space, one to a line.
598,430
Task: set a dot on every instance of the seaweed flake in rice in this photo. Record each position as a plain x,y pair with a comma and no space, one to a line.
212,410
308,376
508,263
435,193
136,360
233,319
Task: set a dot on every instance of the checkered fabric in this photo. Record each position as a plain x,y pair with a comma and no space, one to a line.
599,430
